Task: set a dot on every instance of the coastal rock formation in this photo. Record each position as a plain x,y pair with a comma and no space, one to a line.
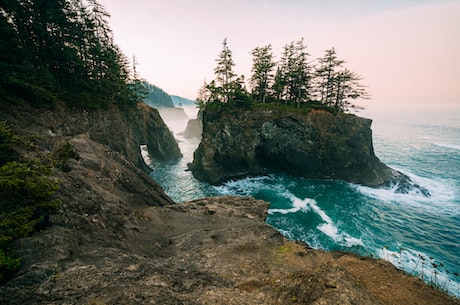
194,129
209,251
239,143
117,238
121,130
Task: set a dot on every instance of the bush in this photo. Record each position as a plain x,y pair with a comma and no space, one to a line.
62,155
8,265
26,198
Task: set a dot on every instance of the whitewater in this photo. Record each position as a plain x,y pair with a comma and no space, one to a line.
418,234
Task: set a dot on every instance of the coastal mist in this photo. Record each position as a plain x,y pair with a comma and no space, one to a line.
418,234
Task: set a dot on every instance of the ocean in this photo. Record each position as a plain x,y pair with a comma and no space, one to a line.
418,234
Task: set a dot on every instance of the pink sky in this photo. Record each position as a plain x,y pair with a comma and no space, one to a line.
407,51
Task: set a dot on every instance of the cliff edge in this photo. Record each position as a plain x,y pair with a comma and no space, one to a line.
121,130
319,144
117,238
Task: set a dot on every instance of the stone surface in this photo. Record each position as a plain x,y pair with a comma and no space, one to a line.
239,143
210,251
118,239
121,130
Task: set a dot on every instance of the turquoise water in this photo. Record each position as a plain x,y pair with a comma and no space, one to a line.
417,234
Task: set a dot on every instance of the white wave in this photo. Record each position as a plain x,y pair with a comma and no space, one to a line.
287,233
422,265
447,145
442,194
145,155
327,227
241,187
331,230
248,186
297,205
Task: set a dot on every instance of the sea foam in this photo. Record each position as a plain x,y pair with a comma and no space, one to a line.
441,199
328,227
422,265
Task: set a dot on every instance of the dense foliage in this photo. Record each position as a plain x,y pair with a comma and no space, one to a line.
155,97
293,80
54,50
26,198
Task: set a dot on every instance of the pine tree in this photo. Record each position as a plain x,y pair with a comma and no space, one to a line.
278,85
203,95
302,74
225,76
336,86
348,87
326,75
262,69
294,73
61,49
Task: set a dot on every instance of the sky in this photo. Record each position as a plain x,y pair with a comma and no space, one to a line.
407,51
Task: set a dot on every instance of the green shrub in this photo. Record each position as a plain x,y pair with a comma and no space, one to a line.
7,154
8,265
62,155
26,197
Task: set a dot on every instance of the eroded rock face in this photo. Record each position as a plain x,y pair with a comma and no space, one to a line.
240,143
121,130
118,239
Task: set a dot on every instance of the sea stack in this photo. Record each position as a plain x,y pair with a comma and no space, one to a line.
318,144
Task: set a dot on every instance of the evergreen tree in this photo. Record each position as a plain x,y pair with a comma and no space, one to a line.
278,85
301,75
203,95
225,76
285,75
337,86
348,87
294,74
262,69
60,49
326,75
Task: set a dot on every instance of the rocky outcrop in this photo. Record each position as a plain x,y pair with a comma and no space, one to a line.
319,144
117,238
121,130
194,129
210,251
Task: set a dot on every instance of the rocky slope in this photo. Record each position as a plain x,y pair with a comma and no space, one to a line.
121,130
118,239
240,143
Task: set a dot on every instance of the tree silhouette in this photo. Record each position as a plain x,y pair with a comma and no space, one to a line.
329,86
292,80
336,86
61,50
262,72
225,76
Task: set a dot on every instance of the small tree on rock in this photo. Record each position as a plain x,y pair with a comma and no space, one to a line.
225,76
262,69
337,86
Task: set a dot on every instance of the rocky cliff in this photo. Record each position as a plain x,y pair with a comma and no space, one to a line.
118,239
121,130
319,144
